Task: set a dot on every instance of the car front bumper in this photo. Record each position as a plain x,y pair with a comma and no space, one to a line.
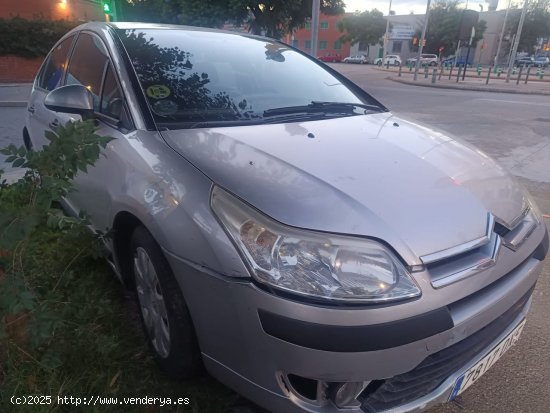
253,340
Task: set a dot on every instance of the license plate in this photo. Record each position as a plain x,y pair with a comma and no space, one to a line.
474,373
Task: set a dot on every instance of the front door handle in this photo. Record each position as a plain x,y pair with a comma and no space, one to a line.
54,124
30,109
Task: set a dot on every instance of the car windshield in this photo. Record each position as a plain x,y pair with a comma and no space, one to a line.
194,77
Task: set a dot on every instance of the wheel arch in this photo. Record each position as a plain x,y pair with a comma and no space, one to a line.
124,224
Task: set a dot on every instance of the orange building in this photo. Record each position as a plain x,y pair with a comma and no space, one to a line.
84,10
329,37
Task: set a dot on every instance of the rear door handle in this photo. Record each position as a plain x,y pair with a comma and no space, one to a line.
54,124
31,109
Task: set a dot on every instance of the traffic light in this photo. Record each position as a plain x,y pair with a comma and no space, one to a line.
424,43
441,48
415,40
107,6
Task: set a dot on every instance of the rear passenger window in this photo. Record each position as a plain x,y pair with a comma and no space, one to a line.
52,71
87,65
111,100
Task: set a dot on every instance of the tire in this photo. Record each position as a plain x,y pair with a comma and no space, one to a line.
379,63
433,64
396,63
164,315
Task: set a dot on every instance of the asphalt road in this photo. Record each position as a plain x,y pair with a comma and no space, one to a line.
514,129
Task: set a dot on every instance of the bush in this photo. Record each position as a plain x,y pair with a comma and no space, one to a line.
31,38
67,326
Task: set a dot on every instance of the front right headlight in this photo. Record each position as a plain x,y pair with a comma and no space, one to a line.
314,264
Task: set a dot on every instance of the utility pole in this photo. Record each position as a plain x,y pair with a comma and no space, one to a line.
472,35
516,42
387,34
502,33
421,44
315,10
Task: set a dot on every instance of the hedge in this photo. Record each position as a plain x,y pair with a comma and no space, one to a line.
31,38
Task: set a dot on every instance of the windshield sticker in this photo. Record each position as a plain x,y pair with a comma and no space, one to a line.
158,92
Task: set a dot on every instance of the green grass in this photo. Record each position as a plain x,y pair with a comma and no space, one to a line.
82,338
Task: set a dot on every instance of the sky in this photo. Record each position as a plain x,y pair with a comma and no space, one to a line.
406,6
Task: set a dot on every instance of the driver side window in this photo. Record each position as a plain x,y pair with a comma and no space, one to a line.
87,65
52,70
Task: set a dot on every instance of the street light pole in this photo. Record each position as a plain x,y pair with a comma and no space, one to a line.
421,44
386,35
315,9
516,42
502,33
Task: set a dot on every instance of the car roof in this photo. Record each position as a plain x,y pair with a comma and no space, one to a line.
98,26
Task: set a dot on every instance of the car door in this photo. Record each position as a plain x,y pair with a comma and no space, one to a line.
50,77
91,66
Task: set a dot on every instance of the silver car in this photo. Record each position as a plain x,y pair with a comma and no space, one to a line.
282,228
360,58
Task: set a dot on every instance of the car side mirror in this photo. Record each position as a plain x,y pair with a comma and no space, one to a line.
71,99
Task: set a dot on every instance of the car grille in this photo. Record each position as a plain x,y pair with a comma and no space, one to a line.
381,395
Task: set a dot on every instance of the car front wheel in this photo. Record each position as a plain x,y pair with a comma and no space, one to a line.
164,314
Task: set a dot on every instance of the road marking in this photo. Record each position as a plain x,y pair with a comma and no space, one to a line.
516,102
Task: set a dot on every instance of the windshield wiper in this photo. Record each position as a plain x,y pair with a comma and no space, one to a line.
322,107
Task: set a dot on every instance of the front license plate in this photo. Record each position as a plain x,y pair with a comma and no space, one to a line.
474,373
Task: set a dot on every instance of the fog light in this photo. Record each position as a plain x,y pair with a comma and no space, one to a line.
344,395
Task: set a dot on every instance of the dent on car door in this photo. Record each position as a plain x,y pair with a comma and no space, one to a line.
90,66
50,77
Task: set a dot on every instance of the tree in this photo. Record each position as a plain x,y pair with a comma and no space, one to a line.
273,18
536,25
443,27
367,27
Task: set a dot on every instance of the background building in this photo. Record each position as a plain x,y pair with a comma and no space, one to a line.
404,27
84,10
329,36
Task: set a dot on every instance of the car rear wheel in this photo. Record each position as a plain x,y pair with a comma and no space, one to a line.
379,63
163,311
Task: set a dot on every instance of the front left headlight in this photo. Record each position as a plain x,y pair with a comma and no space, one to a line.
313,264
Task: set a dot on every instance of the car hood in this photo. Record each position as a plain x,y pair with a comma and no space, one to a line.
374,175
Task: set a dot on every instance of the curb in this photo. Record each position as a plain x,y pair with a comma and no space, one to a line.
13,104
471,75
15,84
474,88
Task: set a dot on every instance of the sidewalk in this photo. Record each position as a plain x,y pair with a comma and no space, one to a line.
14,94
474,82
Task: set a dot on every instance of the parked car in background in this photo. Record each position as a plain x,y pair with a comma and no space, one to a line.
425,60
282,228
429,59
360,58
330,57
525,61
392,59
542,61
456,61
